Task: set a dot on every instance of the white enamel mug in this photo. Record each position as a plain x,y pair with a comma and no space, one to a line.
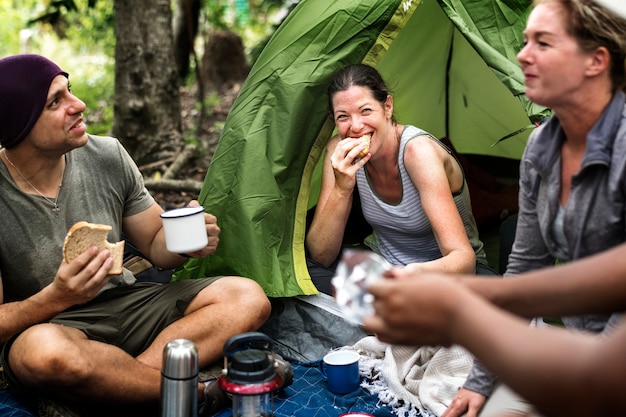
185,230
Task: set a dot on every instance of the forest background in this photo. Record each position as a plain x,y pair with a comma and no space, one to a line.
160,75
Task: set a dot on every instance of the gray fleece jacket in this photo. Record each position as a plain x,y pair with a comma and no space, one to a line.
594,218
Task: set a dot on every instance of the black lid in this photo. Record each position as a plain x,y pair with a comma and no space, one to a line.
251,366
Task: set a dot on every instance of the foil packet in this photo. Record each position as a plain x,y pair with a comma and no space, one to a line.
355,272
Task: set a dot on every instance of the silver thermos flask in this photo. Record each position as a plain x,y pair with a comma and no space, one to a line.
179,379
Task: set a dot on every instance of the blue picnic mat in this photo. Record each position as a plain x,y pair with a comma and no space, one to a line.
308,396
12,406
304,330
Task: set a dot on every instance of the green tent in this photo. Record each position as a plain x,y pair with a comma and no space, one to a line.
453,70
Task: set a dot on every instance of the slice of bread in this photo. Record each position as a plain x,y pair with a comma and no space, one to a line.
84,235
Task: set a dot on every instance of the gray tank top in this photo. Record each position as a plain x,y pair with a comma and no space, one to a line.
402,233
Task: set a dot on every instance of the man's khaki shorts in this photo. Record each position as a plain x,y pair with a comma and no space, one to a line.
128,317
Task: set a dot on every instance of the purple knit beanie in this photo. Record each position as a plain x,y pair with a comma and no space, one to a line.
24,83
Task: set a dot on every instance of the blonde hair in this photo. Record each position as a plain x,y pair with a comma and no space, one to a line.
593,26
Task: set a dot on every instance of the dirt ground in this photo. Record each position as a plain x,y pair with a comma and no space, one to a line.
206,140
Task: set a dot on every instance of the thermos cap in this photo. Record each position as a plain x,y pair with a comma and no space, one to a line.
180,359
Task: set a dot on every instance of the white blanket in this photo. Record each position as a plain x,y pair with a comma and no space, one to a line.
413,381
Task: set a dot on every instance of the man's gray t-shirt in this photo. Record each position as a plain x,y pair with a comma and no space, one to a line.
101,184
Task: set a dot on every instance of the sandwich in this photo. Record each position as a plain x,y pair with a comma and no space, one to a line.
83,235
366,140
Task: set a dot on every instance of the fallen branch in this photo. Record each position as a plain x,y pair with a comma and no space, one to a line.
155,164
174,185
167,181
180,161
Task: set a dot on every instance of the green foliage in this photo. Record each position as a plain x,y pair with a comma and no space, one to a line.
93,82
253,20
217,12
13,24
212,99
92,29
77,21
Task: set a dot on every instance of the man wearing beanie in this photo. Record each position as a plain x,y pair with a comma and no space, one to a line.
71,330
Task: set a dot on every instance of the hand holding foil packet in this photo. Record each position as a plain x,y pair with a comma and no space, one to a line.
355,272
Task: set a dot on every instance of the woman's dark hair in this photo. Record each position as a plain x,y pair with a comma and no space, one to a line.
361,75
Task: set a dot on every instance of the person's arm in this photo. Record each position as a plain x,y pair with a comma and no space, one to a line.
145,230
325,236
595,284
436,175
551,366
74,283
528,252
548,366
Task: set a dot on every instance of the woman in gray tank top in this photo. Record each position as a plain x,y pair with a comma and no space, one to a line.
412,189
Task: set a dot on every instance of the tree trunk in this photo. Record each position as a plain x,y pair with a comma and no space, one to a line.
186,20
224,62
147,105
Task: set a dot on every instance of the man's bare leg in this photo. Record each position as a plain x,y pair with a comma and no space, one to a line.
61,360
227,307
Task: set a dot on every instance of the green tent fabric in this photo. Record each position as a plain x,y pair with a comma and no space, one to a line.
453,70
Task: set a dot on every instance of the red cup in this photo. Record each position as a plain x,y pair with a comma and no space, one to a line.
356,414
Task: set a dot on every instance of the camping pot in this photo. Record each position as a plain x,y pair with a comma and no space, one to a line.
250,374
179,379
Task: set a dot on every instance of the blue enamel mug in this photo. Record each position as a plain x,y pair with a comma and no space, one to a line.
341,371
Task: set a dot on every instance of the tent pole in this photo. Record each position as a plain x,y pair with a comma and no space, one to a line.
447,86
